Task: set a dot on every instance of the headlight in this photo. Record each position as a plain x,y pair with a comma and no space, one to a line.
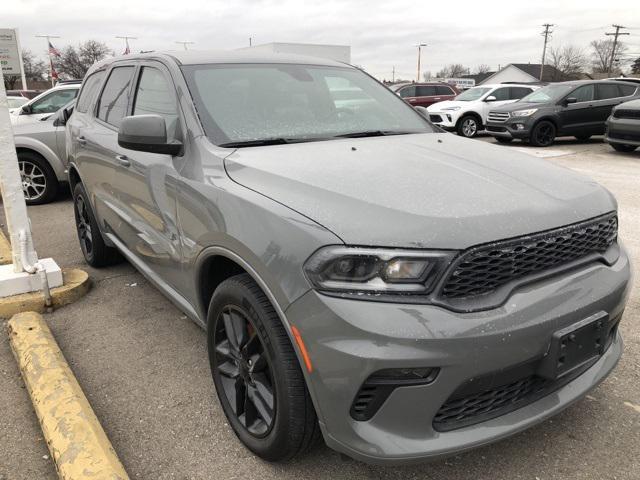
524,113
451,108
354,269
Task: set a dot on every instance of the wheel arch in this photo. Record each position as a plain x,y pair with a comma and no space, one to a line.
471,113
24,144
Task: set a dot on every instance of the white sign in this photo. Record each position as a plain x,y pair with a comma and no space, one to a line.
462,83
10,59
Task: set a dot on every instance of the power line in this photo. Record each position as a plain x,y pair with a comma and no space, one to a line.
547,32
615,34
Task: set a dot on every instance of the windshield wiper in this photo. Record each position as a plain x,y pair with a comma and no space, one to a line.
255,143
373,133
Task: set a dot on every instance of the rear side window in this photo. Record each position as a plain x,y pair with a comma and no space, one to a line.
607,90
425,90
155,95
408,92
518,92
501,94
112,106
583,93
444,90
627,90
88,92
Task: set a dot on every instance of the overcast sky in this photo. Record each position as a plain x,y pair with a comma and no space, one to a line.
381,34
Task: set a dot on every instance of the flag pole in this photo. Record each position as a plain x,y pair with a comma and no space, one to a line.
49,37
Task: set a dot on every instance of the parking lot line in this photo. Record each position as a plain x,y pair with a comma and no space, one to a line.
78,444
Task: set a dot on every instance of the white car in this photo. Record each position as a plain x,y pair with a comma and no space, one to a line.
45,104
467,113
16,102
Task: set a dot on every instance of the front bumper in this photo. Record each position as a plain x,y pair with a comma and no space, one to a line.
348,340
445,119
623,130
514,127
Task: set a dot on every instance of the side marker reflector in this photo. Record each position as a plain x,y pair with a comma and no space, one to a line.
303,349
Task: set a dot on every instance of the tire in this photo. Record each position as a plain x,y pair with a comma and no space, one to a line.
583,138
286,424
96,253
39,182
468,126
623,147
503,139
543,134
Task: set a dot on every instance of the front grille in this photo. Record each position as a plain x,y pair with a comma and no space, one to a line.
626,113
482,270
435,118
496,129
498,116
624,136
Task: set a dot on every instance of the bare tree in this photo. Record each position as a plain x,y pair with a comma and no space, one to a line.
74,62
601,51
452,71
426,75
34,69
569,62
482,68
635,66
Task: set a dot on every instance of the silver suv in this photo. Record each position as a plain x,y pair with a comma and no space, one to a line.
402,292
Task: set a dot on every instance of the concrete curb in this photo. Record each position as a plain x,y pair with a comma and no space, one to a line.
78,444
76,283
5,250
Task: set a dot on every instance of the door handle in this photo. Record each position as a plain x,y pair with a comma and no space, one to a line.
123,160
82,140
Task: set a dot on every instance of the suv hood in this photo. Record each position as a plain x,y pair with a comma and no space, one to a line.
437,107
512,107
421,190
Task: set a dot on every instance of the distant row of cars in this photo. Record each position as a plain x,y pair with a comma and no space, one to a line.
534,113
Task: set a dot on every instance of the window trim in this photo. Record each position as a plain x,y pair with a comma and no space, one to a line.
415,91
104,84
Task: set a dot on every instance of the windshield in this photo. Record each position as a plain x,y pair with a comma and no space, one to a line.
472,94
260,102
15,102
547,94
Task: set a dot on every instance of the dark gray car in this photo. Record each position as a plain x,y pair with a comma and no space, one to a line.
402,292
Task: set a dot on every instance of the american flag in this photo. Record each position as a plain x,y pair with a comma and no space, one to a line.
53,50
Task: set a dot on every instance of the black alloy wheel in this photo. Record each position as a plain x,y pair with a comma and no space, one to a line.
83,224
244,370
543,135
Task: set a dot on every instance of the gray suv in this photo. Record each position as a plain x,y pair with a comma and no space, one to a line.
361,276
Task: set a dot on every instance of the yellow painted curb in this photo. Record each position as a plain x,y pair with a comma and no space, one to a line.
5,250
75,284
78,445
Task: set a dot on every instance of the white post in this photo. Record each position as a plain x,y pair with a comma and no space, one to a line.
19,278
23,76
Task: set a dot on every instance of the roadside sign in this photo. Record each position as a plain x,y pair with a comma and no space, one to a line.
461,83
10,55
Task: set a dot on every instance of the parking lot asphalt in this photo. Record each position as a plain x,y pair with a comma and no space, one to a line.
143,366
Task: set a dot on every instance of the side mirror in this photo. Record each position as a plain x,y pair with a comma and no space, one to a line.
490,98
146,133
422,111
62,117
569,100
26,109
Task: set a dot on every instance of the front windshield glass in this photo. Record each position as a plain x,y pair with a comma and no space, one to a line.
547,94
472,94
255,102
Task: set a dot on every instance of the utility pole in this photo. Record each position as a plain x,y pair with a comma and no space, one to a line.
249,41
545,34
420,45
615,34
184,44
393,74
126,39
49,37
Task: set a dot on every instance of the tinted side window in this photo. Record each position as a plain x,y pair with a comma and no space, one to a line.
155,95
425,90
54,101
583,93
607,90
501,93
88,92
627,90
112,106
408,92
518,92
444,90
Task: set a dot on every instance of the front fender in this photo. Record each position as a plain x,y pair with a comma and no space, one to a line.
28,143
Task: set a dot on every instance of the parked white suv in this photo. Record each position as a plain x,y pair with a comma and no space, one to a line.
467,113
45,104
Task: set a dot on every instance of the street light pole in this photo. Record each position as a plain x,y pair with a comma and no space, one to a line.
49,37
126,39
184,44
420,45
